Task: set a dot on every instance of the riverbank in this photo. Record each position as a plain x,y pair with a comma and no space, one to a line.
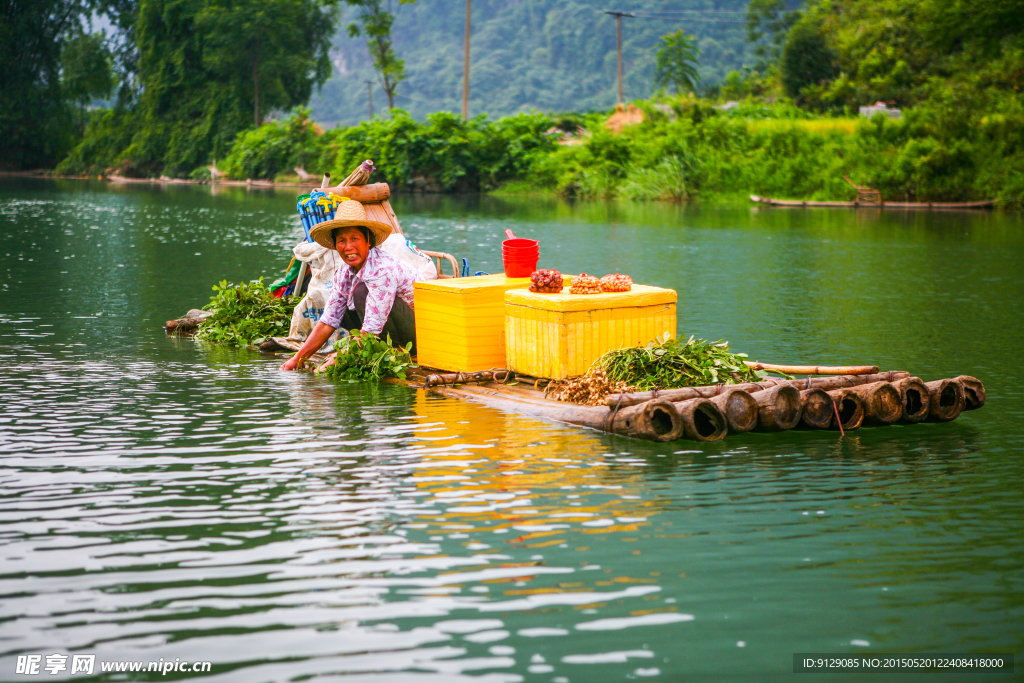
683,149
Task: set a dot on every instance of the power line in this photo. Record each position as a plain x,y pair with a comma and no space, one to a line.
618,40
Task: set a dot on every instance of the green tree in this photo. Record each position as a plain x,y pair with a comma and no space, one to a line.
376,23
768,23
205,70
807,58
280,46
86,71
677,62
32,111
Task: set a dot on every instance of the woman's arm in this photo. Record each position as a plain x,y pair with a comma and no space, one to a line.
313,343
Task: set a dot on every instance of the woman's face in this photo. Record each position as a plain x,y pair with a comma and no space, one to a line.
352,247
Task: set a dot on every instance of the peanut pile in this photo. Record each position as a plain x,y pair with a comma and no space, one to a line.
585,284
590,390
616,283
547,281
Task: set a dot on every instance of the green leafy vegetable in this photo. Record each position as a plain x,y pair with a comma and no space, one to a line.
245,314
364,356
671,363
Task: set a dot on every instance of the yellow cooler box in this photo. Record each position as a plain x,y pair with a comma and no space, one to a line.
560,335
460,322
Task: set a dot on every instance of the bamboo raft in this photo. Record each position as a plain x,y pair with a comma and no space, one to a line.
841,402
795,203
832,397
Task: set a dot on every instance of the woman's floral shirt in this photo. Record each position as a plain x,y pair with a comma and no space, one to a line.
384,276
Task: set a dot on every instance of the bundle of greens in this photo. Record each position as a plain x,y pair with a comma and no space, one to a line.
672,363
245,315
363,356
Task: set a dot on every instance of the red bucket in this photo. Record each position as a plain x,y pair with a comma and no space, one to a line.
519,243
519,255
520,266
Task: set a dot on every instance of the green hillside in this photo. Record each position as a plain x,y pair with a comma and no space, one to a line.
550,55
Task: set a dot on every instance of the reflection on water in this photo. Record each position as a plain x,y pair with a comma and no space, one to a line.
161,498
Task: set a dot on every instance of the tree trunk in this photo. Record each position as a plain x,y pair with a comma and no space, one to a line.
256,87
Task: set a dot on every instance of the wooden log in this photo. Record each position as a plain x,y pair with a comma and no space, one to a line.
915,399
947,400
850,408
685,393
882,404
366,194
814,369
816,409
974,392
739,408
702,420
655,420
778,408
493,375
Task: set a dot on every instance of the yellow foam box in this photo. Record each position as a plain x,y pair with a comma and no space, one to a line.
561,335
460,322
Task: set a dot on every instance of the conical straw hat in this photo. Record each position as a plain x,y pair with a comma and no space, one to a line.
350,213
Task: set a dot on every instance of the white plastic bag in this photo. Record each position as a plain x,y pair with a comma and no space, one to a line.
322,263
404,250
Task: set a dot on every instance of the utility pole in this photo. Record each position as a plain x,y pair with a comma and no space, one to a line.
618,40
465,66
369,96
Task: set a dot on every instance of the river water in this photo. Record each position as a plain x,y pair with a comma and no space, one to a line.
164,499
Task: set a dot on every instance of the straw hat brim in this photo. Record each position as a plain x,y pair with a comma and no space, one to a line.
321,232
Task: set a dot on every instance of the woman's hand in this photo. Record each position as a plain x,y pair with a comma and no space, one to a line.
312,344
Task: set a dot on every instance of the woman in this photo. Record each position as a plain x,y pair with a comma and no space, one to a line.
371,293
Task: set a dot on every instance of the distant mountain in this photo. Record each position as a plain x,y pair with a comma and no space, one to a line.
550,55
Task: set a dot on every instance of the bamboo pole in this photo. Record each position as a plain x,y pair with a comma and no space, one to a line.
814,369
702,420
655,420
947,399
778,408
915,399
826,383
849,407
816,409
739,408
974,392
882,403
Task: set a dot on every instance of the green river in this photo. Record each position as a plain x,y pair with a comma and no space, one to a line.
161,499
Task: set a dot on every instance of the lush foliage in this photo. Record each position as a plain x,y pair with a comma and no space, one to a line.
548,55
671,363
364,356
34,118
245,314
273,148
375,23
768,22
677,62
207,69
87,70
